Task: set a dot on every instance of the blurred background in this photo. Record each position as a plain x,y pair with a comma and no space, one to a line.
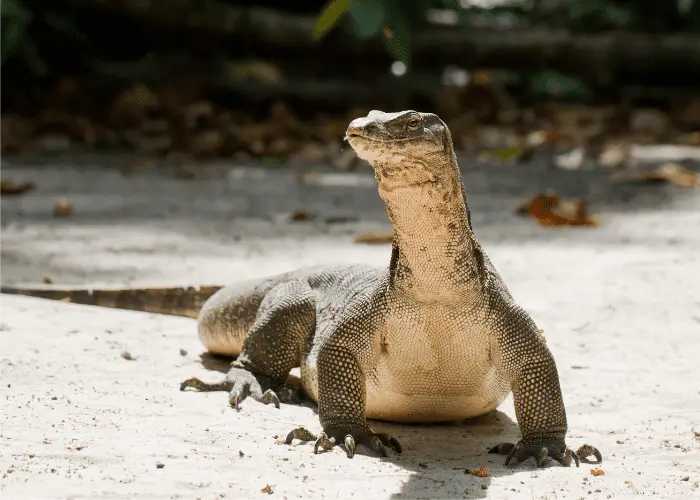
583,83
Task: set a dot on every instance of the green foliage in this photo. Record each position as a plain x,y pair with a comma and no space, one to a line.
367,17
690,10
15,20
394,20
554,84
597,15
330,14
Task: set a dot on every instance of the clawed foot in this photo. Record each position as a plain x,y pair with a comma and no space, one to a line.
586,450
543,451
377,441
241,383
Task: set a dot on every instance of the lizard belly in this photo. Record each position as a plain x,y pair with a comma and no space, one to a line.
433,370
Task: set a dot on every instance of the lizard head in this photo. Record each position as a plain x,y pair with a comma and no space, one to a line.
404,148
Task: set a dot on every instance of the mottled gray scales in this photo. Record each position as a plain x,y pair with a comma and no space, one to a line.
433,336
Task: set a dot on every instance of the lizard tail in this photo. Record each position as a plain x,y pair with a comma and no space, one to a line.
181,301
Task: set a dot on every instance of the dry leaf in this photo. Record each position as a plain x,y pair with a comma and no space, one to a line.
62,209
548,210
480,472
597,472
672,173
11,188
133,106
307,177
374,238
300,216
267,489
613,155
127,355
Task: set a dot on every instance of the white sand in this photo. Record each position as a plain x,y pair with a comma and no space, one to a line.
619,305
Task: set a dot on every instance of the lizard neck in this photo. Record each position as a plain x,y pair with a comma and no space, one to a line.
435,254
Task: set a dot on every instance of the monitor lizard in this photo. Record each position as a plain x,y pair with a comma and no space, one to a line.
435,336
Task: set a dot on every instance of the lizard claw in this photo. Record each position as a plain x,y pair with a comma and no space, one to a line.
542,452
327,440
586,450
240,383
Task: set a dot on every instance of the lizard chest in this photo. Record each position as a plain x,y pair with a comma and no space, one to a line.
432,364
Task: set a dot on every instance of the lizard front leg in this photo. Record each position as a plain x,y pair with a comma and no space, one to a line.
341,406
285,319
539,407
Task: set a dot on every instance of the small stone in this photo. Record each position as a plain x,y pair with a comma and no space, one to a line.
160,465
183,352
484,486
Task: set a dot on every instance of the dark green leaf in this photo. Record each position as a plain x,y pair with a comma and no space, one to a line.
15,9
12,35
558,85
367,17
397,34
691,16
329,16
64,24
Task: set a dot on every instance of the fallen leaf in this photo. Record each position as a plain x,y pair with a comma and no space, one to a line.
374,238
671,173
66,299
548,210
300,216
183,352
62,209
597,472
267,489
518,153
307,176
127,355
480,472
11,188
613,156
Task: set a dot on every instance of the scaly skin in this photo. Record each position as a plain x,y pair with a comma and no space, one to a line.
436,336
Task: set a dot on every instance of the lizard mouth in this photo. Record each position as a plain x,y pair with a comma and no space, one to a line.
359,135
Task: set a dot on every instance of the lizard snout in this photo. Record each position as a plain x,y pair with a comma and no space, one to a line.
362,127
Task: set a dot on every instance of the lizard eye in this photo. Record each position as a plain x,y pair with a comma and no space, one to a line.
413,122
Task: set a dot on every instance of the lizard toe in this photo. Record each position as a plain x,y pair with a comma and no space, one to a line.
585,451
389,440
324,442
350,445
195,383
543,452
270,397
300,433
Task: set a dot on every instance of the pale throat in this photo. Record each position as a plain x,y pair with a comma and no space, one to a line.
431,227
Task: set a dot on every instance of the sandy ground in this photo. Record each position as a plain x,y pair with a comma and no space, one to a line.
619,305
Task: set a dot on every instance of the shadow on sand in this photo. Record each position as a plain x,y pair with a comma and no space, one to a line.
439,455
